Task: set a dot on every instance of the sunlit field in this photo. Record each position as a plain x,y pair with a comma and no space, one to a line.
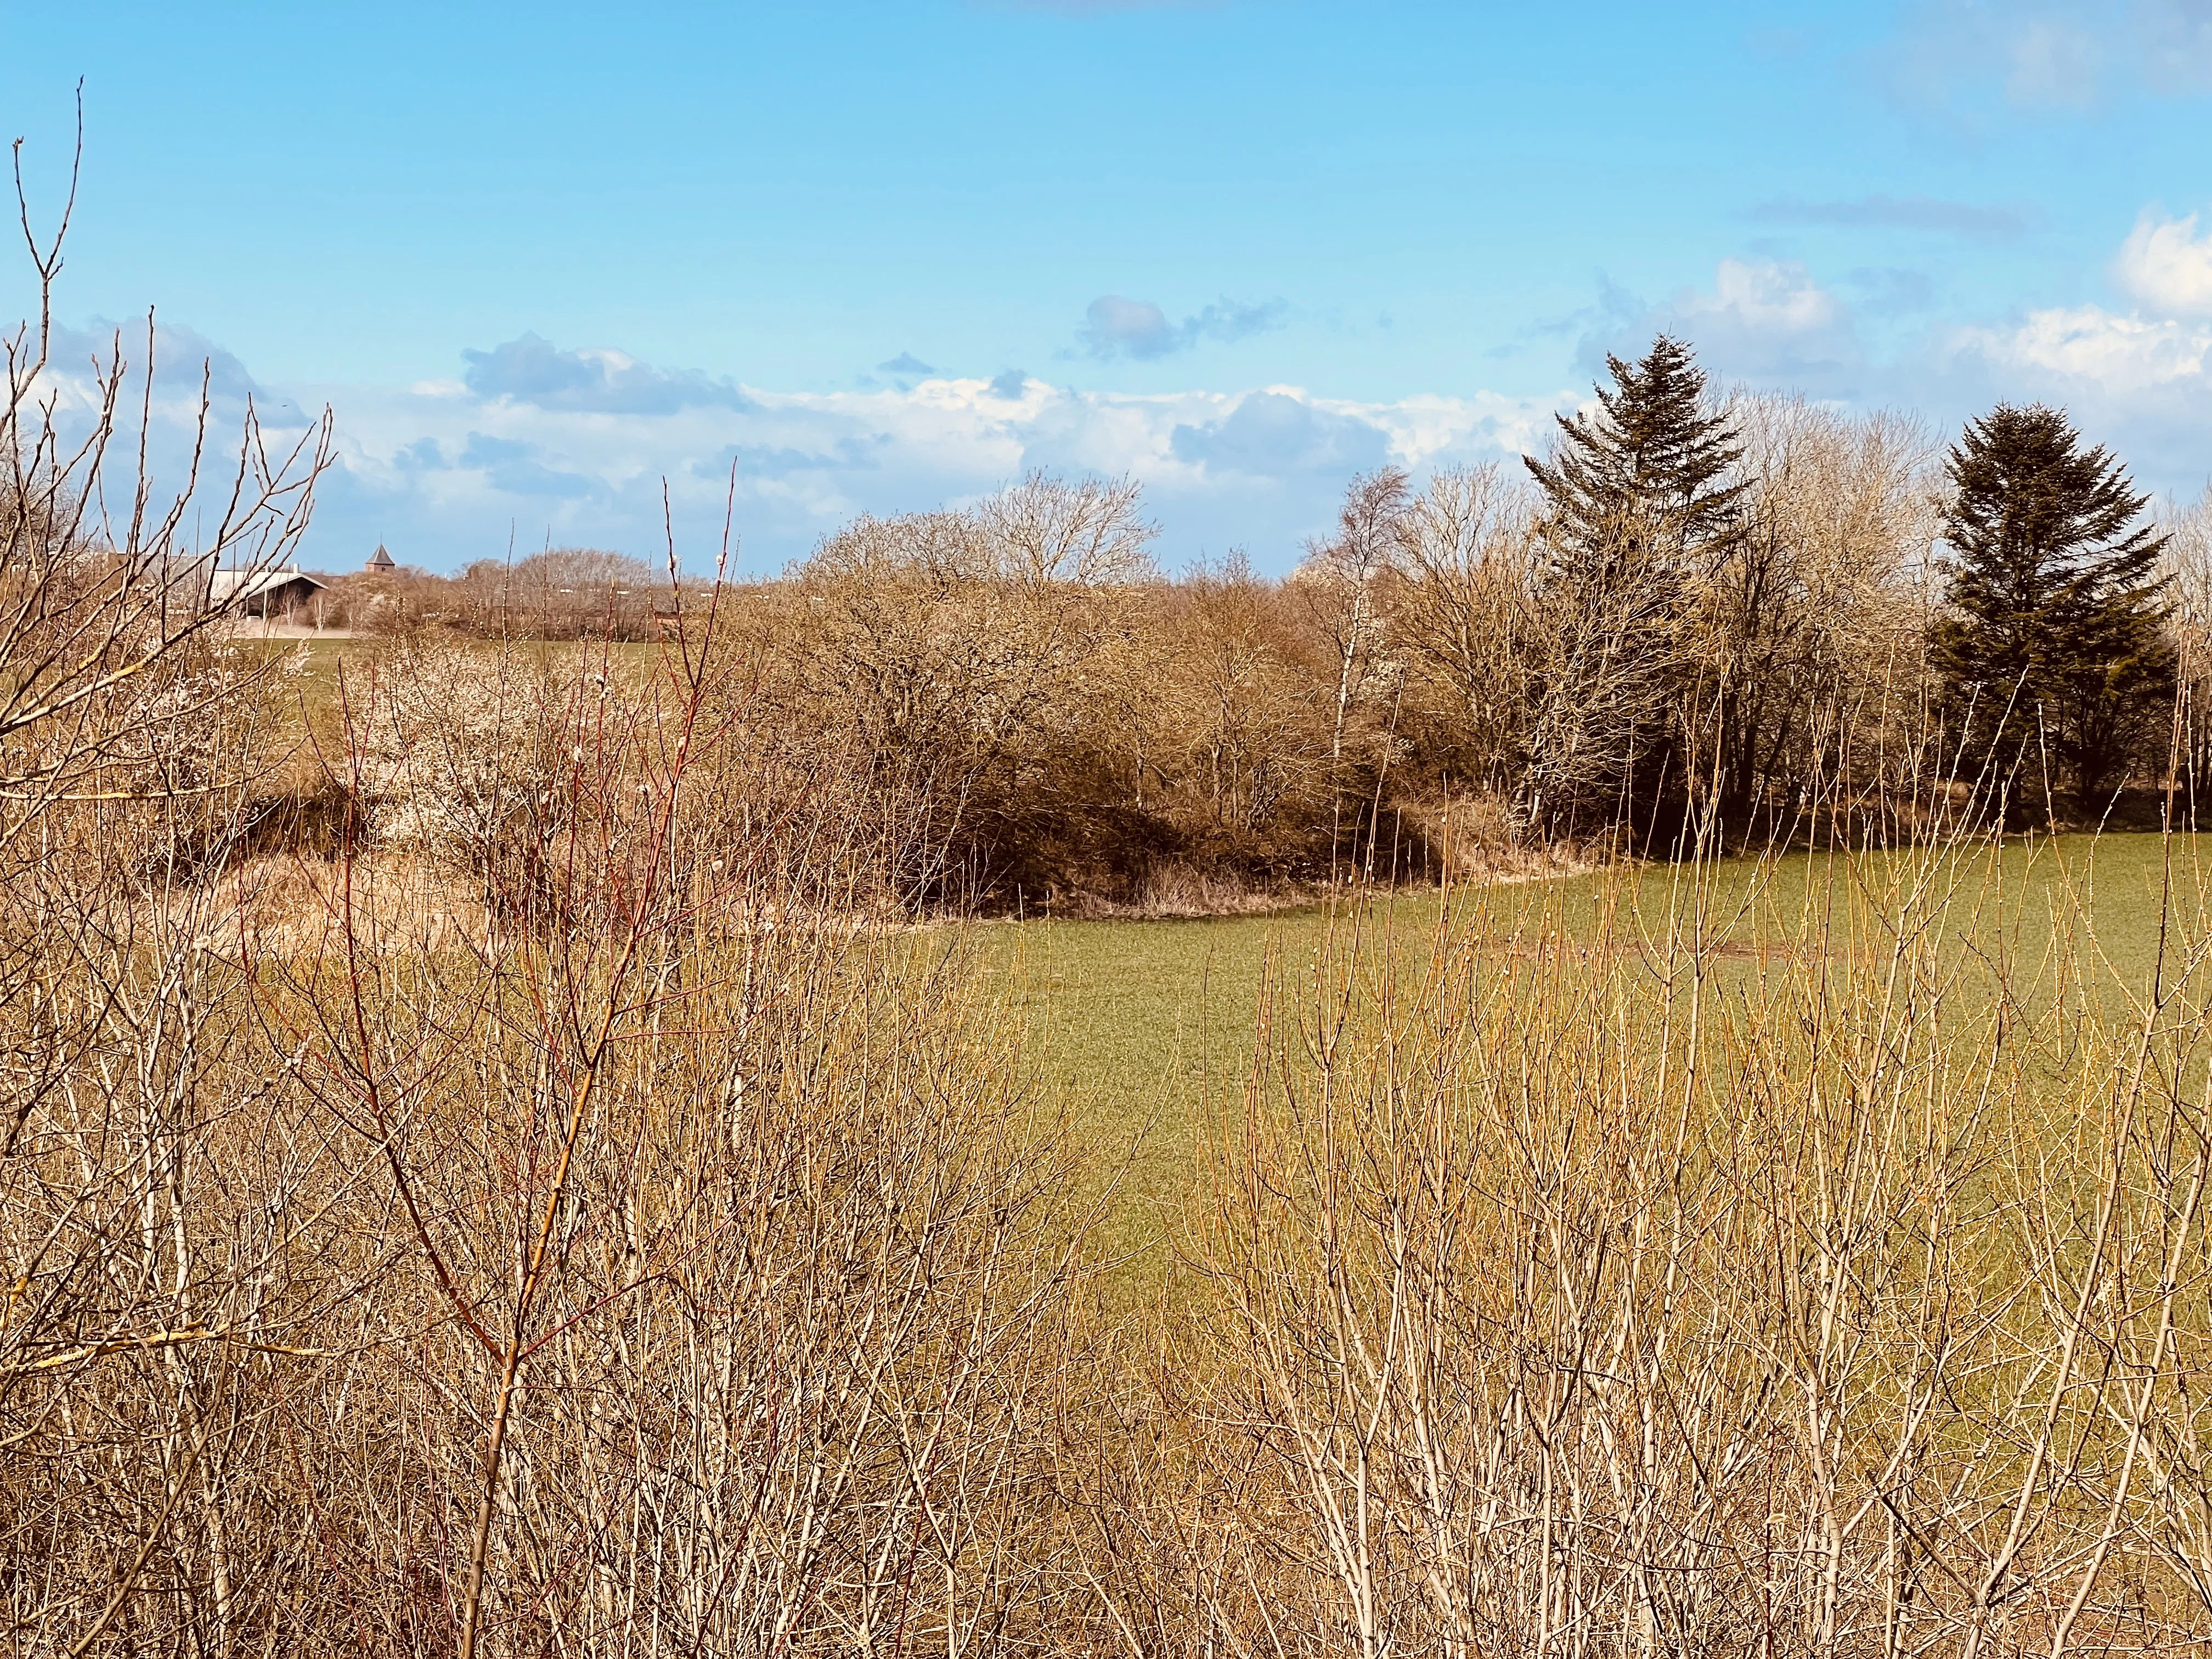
1139,1028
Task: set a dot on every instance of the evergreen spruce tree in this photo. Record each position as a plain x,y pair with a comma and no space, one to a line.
1639,500
2055,667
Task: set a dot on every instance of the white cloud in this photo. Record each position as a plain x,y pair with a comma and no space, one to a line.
2142,385
573,448
532,370
1763,323
2105,351
2168,266
1770,297
2090,352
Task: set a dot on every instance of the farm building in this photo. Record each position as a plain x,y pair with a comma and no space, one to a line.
262,593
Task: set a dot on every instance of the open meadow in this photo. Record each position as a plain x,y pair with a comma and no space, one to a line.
1143,1030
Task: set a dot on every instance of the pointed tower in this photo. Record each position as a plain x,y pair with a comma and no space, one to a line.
380,563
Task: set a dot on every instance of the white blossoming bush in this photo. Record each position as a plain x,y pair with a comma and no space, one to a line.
456,757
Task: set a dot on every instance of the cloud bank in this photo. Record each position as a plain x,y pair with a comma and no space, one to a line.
536,443
530,370
2168,266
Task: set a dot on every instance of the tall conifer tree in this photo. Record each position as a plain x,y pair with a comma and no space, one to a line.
1645,475
1639,500
2053,657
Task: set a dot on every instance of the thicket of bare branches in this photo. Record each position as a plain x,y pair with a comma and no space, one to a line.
1040,717
2188,558
1434,687
1653,1304
546,1221
1046,731
551,1213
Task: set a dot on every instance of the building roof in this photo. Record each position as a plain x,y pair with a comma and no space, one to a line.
381,559
232,587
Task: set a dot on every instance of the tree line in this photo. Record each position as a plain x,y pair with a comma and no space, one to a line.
1696,623
561,594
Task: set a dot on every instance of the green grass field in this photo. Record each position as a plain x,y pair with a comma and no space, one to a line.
313,693
1137,1025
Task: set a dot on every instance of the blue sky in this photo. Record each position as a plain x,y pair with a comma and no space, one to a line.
540,260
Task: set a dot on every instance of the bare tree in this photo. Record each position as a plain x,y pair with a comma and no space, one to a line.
144,1280
2188,567
1801,642
1460,610
1340,581
958,650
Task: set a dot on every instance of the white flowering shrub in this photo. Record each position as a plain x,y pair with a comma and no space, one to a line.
457,755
